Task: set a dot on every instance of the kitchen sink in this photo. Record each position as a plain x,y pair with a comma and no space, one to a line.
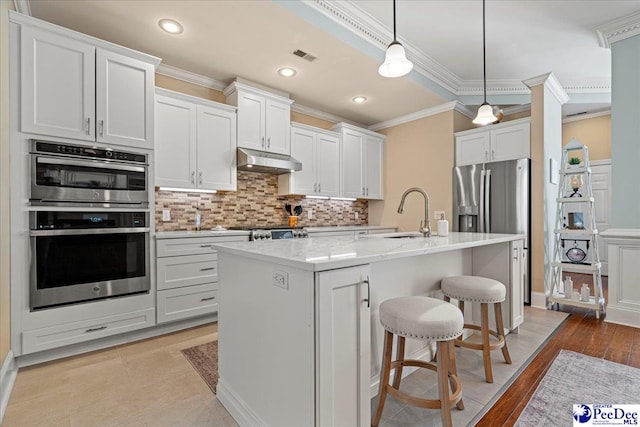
397,235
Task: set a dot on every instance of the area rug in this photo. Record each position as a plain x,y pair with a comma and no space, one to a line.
204,359
575,378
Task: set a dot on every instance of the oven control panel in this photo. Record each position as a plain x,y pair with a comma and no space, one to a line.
276,234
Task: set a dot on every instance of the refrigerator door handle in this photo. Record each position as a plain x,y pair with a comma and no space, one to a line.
482,199
487,202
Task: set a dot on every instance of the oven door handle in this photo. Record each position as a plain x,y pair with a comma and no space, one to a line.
85,231
89,163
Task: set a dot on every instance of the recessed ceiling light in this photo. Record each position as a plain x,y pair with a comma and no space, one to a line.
170,26
287,72
359,99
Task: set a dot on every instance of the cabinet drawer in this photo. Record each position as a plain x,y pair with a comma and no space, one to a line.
179,271
181,303
187,246
72,333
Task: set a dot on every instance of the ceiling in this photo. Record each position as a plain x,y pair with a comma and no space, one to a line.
253,39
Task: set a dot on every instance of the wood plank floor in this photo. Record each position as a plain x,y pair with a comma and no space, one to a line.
581,333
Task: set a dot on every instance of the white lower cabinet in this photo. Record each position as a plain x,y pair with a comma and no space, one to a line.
187,276
344,347
72,333
180,303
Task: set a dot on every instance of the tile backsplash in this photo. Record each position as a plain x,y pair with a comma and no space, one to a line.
255,203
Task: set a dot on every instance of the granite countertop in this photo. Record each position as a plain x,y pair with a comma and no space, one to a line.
201,233
346,251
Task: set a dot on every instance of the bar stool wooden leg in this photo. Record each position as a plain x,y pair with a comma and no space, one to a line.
397,376
454,370
486,349
461,307
384,376
443,383
500,331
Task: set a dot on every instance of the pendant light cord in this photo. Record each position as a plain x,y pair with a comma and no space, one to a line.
484,51
394,20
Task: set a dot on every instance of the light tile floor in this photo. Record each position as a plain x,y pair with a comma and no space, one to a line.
150,383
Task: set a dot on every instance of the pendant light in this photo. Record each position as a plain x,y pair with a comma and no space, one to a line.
395,63
485,112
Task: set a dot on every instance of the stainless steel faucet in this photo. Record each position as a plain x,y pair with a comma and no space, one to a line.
425,227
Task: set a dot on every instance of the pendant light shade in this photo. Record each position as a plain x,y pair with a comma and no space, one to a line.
395,63
485,112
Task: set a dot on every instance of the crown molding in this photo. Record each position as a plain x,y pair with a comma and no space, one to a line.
427,112
363,25
189,77
551,82
494,87
586,116
618,29
309,111
22,6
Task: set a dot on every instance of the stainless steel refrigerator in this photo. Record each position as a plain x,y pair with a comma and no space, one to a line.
495,198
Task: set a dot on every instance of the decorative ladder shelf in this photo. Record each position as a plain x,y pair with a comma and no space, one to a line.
581,228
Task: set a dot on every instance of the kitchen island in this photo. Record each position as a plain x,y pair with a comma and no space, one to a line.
299,333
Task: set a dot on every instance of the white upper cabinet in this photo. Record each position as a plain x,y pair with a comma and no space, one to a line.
319,152
264,118
494,143
73,88
362,162
195,143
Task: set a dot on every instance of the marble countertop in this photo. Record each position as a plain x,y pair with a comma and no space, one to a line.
348,228
201,233
345,251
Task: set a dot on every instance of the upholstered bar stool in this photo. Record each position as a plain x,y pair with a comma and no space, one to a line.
485,291
421,318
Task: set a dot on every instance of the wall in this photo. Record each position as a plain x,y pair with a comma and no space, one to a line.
625,130
594,132
417,154
5,320
256,202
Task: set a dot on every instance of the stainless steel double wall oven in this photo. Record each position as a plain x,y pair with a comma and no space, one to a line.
98,245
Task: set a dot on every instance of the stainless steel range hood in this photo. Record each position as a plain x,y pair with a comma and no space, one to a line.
260,161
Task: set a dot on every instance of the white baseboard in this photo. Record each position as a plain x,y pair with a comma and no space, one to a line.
538,300
239,410
8,373
622,316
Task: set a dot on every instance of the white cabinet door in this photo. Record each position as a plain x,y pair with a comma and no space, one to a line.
352,167
374,168
124,100
278,127
343,369
516,290
175,154
303,150
472,149
328,165
57,85
216,149
251,125
510,143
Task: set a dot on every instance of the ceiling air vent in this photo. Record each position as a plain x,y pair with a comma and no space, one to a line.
304,55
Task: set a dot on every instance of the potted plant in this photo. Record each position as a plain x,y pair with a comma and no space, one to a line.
574,162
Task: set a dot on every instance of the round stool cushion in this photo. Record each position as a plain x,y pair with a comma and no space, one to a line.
474,289
421,317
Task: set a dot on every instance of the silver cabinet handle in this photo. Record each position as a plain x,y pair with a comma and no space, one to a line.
315,188
486,155
193,177
319,187
367,192
493,154
363,193
99,328
516,255
88,125
206,246
207,299
263,141
200,177
269,142
101,127
207,268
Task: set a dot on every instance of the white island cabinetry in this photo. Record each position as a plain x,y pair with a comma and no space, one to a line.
313,311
